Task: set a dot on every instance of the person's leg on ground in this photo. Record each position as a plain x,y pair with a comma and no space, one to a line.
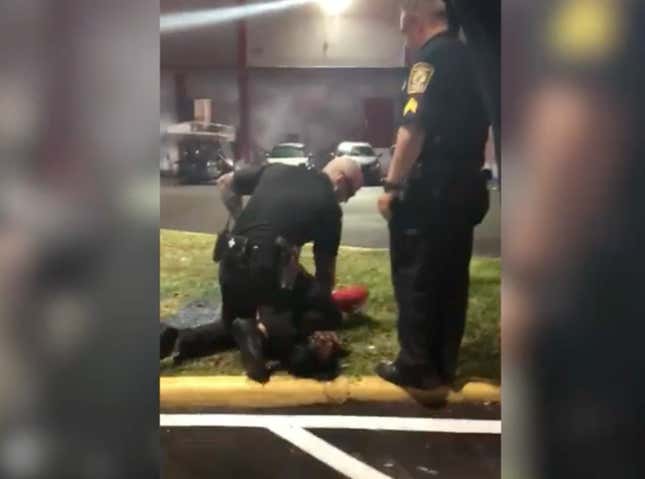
205,340
167,337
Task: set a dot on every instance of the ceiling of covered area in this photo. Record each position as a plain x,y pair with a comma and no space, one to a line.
201,47
364,36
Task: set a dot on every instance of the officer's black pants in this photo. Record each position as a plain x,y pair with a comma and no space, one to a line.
288,316
430,274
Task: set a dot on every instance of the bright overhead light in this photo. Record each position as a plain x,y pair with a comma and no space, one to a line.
175,22
334,7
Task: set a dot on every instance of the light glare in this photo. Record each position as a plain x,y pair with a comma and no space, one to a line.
334,7
175,22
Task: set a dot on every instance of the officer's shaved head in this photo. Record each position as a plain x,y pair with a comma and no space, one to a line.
428,8
346,176
421,18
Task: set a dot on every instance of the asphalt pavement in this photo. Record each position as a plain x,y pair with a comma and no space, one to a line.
197,208
285,450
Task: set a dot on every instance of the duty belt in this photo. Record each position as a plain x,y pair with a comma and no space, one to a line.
280,257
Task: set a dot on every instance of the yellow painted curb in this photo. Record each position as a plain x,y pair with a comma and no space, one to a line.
283,391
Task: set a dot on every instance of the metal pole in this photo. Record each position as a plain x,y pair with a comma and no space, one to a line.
243,90
181,98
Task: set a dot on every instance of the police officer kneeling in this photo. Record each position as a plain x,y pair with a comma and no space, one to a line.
435,193
269,302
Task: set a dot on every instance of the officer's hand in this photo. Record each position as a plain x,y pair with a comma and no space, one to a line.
385,205
225,182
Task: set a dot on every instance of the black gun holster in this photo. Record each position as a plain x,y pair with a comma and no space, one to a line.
231,246
267,264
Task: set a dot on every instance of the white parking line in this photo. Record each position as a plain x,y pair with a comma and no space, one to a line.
369,423
293,430
330,455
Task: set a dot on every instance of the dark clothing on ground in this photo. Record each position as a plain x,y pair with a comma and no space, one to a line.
288,324
167,337
431,230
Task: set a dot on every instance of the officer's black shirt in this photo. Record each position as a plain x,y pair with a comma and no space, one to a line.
442,95
289,201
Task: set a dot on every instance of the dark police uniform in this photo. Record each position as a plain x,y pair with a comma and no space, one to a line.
480,22
292,203
259,274
431,230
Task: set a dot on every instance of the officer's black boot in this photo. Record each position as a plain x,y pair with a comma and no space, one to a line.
407,377
251,343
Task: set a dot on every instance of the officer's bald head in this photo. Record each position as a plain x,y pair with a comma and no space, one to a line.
346,176
432,9
421,19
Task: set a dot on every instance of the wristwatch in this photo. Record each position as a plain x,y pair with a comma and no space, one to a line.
390,187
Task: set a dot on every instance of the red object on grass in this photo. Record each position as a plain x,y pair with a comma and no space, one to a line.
350,298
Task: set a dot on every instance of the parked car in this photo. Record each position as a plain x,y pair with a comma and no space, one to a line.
364,155
205,151
293,154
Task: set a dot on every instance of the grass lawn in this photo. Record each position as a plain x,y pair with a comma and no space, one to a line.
188,273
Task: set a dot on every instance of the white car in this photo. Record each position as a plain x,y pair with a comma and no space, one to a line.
293,154
364,155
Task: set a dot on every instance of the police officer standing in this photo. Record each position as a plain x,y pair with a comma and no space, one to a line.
435,194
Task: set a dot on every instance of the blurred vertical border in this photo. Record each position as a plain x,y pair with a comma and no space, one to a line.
79,254
573,234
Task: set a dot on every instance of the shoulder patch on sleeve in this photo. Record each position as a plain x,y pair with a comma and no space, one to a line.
411,106
420,77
